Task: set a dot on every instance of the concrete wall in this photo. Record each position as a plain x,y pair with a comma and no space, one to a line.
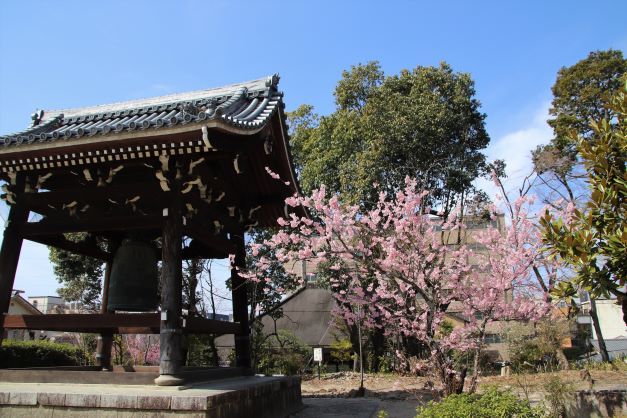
615,348
602,403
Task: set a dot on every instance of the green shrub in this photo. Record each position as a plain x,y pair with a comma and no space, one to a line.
202,351
342,350
40,354
618,364
526,355
556,396
282,353
493,403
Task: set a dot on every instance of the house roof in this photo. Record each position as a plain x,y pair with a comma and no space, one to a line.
243,107
307,313
25,304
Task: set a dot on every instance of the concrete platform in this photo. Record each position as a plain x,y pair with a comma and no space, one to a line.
340,408
138,375
251,396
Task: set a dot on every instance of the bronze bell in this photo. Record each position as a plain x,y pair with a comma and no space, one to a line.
133,285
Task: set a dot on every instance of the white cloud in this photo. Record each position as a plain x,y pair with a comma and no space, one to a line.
515,149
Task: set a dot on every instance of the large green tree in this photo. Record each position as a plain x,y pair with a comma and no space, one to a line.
592,239
580,94
424,123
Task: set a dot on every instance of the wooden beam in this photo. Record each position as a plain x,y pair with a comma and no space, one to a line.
120,323
94,195
113,223
239,294
215,242
195,325
222,141
82,248
104,343
171,356
91,323
198,250
11,247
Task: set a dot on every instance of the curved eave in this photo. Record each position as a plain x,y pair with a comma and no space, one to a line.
116,138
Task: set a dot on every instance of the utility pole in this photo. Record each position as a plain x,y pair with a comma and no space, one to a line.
361,357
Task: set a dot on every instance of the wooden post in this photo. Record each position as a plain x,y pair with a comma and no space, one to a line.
240,304
11,247
105,339
171,361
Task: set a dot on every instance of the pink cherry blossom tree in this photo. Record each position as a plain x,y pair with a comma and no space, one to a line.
399,268
142,349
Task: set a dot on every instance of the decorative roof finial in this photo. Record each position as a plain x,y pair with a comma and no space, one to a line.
37,117
273,81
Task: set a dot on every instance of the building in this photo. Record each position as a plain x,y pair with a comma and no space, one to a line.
613,328
48,304
142,175
30,306
20,306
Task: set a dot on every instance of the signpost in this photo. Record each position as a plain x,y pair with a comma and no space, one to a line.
318,358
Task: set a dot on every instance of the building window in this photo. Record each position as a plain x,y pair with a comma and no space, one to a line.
492,338
475,246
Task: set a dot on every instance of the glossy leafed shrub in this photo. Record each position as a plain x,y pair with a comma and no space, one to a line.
491,404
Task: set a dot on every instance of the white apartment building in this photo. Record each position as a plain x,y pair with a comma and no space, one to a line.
48,304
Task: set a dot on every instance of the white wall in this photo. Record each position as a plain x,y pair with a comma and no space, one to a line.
611,320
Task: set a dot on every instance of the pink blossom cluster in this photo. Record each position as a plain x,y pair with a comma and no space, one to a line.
142,349
398,268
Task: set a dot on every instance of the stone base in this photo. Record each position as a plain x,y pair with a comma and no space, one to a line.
131,375
168,380
236,397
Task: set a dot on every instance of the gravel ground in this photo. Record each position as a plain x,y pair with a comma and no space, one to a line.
394,387
399,396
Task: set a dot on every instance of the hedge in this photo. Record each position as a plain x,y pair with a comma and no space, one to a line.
40,353
493,403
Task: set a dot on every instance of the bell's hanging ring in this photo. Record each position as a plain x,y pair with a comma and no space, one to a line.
133,285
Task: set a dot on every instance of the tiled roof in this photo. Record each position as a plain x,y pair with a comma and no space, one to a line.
244,106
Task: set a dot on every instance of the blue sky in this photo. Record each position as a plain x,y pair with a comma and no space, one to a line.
74,53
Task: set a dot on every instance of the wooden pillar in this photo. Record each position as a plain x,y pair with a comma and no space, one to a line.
11,247
240,304
171,359
105,339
